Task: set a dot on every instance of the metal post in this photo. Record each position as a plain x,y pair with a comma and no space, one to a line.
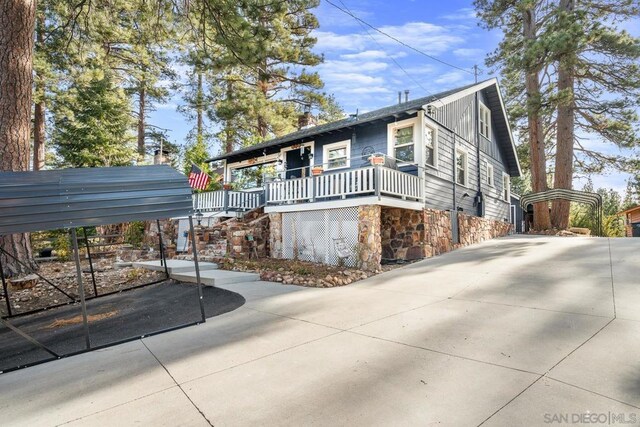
195,261
93,276
5,289
163,259
83,303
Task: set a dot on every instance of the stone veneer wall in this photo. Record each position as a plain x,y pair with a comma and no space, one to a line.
409,234
275,234
230,237
438,233
369,239
475,229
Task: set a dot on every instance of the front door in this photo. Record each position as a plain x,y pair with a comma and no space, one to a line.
635,229
298,162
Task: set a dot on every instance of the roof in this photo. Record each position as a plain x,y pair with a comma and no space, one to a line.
49,200
635,208
345,123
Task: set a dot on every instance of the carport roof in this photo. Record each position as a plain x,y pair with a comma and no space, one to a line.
48,200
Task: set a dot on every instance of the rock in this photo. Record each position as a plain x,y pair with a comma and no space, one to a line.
26,282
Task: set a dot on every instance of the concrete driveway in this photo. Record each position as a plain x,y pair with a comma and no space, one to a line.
515,331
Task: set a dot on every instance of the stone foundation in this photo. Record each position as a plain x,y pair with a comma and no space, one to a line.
275,234
475,229
230,238
369,240
410,235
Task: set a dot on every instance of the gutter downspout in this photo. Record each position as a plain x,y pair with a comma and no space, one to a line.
479,196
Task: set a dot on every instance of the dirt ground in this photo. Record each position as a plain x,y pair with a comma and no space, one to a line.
109,278
301,273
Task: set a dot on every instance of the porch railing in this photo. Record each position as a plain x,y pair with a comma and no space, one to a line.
228,200
372,180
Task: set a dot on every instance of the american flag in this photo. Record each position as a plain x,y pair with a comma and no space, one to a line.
198,179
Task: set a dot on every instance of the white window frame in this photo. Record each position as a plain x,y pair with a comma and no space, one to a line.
491,178
466,166
340,144
484,114
434,128
391,127
506,187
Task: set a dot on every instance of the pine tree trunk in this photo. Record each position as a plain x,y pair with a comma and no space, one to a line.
199,108
537,154
40,108
141,122
563,177
17,24
228,144
263,87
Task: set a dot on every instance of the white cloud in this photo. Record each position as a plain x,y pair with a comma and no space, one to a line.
364,55
337,66
466,13
452,77
425,36
468,53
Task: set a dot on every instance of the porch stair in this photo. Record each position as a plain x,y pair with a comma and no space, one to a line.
185,271
174,266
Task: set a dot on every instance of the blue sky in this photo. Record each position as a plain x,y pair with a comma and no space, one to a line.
359,67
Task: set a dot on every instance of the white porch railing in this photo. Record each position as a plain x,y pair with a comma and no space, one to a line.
208,201
244,200
400,184
373,180
342,184
290,190
226,200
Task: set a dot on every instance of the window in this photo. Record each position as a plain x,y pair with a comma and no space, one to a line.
485,121
461,167
430,140
403,144
506,187
490,180
336,155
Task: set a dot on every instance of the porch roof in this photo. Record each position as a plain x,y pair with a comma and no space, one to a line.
303,135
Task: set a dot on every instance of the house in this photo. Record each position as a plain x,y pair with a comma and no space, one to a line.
631,221
402,182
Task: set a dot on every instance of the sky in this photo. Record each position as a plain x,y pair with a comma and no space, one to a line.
365,70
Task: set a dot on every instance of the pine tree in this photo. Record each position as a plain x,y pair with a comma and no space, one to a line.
521,56
17,24
92,124
598,87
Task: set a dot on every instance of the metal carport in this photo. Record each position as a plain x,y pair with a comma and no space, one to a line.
593,200
74,198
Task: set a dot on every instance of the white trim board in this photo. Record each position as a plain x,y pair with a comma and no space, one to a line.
345,203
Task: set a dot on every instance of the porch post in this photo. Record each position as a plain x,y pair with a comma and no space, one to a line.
377,180
225,200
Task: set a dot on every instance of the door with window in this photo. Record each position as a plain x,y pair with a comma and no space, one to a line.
298,161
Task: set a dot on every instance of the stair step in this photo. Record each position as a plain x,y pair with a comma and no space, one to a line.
216,277
175,266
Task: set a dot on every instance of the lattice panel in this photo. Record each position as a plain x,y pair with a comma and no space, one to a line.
311,234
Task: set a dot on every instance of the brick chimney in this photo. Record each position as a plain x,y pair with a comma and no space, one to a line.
306,120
